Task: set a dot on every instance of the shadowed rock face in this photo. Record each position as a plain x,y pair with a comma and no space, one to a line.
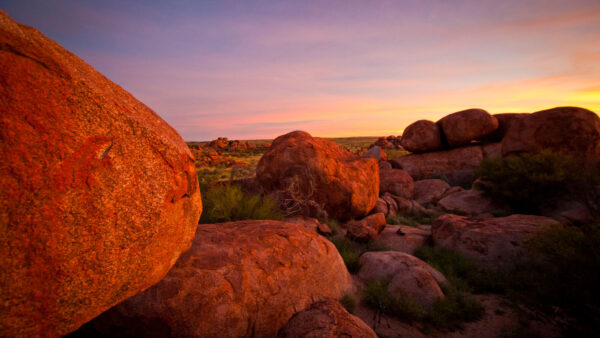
320,170
325,319
493,242
239,279
99,194
574,131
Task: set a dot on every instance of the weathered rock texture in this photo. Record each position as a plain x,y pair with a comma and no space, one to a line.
99,194
325,319
493,242
574,131
313,168
465,126
422,136
456,165
239,279
408,275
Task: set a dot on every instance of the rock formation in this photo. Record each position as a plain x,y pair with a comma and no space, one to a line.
303,167
99,194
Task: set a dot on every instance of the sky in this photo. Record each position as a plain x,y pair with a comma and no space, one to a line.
259,69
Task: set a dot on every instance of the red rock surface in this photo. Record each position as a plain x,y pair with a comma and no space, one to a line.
574,131
366,229
422,136
505,120
470,202
402,238
397,182
316,169
99,194
493,242
325,319
462,127
430,191
239,279
456,165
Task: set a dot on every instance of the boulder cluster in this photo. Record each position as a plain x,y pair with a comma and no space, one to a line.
100,209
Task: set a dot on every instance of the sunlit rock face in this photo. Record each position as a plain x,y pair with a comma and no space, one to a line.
99,195
239,279
345,185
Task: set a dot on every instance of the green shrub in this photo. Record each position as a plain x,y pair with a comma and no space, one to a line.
377,296
226,203
464,274
455,309
565,274
413,220
333,225
350,252
349,303
395,153
527,181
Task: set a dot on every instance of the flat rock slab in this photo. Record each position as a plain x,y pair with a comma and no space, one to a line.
403,238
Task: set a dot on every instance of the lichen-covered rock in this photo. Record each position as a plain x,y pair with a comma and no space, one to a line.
325,319
571,130
239,279
316,169
455,165
462,127
99,194
422,136
493,242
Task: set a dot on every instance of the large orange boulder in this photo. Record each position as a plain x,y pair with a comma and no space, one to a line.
99,194
303,167
239,279
397,182
462,127
571,130
422,135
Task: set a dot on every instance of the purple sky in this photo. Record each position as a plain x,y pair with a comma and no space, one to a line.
258,69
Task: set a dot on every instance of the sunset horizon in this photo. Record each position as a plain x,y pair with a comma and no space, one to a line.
334,69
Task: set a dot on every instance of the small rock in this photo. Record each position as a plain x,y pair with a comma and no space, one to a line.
325,319
402,238
367,228
462,127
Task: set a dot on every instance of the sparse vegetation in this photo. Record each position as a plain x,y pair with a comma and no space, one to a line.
348,302
395,153
413,220
457,308
378,297
226,202
462,273
527,181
